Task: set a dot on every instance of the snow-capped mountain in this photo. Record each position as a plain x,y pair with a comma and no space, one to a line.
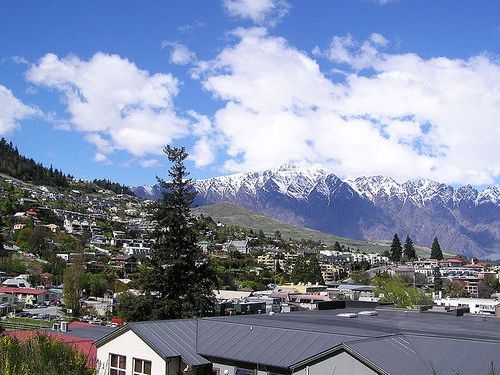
465,220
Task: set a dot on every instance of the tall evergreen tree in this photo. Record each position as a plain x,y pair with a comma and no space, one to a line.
436,252
178,280
3,252
314,274
438,280
300,269
307,270
409,249
336,247
396,249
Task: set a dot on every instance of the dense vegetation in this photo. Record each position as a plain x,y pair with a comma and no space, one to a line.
177,280
15,165
113,186
41,354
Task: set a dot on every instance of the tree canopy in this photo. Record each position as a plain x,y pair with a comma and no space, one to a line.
409,249
306,270
436,252
177,280
396,248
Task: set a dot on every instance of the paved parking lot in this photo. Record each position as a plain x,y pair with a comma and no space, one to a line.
51,310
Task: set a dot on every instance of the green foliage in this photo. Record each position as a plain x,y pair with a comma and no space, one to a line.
360,277
454,289
438,280
436,252
487,286
306,270
178,280
396,249
22,168
336,246
96,284
41,354
113,186
73,280
409,249
395,290
134,308
13,265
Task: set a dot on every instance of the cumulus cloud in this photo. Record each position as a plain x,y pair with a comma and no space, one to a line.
102,158
117,105
180,54
394,114
12,111
259,11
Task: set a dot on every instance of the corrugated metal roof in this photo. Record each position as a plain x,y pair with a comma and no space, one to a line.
171,338
280,347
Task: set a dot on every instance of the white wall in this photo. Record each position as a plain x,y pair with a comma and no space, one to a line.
131,346
341,363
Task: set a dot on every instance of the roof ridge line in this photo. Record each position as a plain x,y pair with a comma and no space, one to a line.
291,329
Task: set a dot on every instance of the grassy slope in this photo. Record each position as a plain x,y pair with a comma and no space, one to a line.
233,215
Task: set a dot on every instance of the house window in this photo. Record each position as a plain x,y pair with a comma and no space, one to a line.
118,364
216,371
244,371
142,367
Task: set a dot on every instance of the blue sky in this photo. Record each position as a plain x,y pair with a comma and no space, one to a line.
401,88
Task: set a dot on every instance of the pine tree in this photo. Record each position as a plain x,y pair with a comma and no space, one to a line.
178,279
409,250
438,280
336,247
3,252
306,270
314,271
436,252
299,273
396,249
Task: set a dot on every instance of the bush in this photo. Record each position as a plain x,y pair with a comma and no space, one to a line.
41,354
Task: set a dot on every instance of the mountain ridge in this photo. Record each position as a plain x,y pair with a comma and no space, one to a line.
465,220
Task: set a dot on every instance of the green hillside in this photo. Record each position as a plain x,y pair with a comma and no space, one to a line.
229,214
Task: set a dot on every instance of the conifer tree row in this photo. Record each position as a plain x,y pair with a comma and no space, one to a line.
15,165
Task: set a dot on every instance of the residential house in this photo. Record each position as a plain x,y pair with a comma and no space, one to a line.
353,341
27,295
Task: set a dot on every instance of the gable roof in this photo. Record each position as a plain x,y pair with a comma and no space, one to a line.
168,338
392,342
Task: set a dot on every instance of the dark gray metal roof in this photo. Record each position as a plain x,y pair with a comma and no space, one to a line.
91,332
171,338
392,342
280,347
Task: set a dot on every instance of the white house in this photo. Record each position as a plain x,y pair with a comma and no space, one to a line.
386,341
475,305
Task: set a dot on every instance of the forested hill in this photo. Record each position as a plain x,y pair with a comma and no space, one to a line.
15,165
12,163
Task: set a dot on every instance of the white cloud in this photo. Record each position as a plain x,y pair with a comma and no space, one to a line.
203,151
149,163
118,105
180,54
102,158
394,114
12,111
259,11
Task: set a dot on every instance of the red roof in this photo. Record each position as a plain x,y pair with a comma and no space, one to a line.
12,290
83,346
31,213
117,320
